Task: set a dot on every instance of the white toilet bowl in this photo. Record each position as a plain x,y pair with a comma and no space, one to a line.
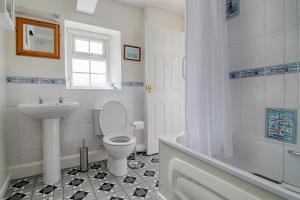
118,147
111,122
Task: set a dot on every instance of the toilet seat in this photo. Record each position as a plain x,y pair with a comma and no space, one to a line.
120,139
113,118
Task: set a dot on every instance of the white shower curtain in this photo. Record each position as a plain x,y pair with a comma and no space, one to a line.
207,111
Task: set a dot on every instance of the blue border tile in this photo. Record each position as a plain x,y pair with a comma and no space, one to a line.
266,71
62,81
29,80
55,81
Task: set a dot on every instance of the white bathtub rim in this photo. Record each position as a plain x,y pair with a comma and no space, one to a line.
267,185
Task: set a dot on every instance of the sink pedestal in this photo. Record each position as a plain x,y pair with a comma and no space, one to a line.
50,113
51,151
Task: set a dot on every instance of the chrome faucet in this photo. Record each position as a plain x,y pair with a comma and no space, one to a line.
40,100
60,100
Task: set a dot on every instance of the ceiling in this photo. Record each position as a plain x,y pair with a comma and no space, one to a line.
176,6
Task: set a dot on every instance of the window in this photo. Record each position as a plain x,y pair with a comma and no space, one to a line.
89,56
89,61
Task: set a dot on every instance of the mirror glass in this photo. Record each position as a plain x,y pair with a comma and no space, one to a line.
37,38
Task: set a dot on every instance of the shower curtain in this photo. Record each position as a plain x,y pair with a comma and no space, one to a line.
207,93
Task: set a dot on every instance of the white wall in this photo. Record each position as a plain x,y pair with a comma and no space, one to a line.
265,34
108,14
24,135
164,18
3,155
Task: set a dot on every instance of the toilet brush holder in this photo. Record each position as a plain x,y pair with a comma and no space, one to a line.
84,158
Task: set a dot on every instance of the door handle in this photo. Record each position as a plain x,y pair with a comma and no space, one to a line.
149,88
294,153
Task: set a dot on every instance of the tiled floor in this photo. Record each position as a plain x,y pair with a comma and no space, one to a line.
97,183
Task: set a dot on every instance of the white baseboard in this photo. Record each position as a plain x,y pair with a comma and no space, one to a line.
35,168
5,186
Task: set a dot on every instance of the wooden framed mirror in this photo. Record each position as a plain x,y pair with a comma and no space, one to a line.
37,39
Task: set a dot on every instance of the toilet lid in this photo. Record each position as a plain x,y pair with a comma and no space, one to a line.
113,118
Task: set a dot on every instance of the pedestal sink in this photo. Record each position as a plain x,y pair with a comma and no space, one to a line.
50,113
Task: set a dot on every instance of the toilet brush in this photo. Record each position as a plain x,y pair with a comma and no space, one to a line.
84,157
134,164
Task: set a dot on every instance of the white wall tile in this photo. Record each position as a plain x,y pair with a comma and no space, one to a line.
12,91
86,131
275,91
290,13
69,134
13,159
234,31
30,139
253,53
78,125
69,95
235,92
28,93
26,122
253,121
12,141
252,91
236,118
50,93
12,118
291,91
235,57
72,118
291,46
274,49
30,156
252,23
246,5
274,16
136,112
69,149
93,145
86,114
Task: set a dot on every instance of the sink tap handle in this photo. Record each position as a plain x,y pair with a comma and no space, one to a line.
60,100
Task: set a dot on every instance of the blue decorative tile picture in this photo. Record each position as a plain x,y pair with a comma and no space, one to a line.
281,125
232,8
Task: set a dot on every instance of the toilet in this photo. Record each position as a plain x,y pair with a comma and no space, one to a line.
111,121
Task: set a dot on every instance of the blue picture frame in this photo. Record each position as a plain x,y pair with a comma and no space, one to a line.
281,125
232,8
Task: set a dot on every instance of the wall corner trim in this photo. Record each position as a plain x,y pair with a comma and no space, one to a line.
5,185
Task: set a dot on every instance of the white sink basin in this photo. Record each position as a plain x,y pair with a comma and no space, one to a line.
48,110
50,113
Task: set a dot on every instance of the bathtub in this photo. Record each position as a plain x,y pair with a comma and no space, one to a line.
189,175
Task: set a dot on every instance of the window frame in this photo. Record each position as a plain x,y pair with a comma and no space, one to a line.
73,34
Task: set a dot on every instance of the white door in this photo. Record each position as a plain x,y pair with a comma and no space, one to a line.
165,86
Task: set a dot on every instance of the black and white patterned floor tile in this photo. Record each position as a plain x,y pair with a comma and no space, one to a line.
95,184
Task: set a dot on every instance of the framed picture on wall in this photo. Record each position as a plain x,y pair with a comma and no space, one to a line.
232,8
132,53
281,125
